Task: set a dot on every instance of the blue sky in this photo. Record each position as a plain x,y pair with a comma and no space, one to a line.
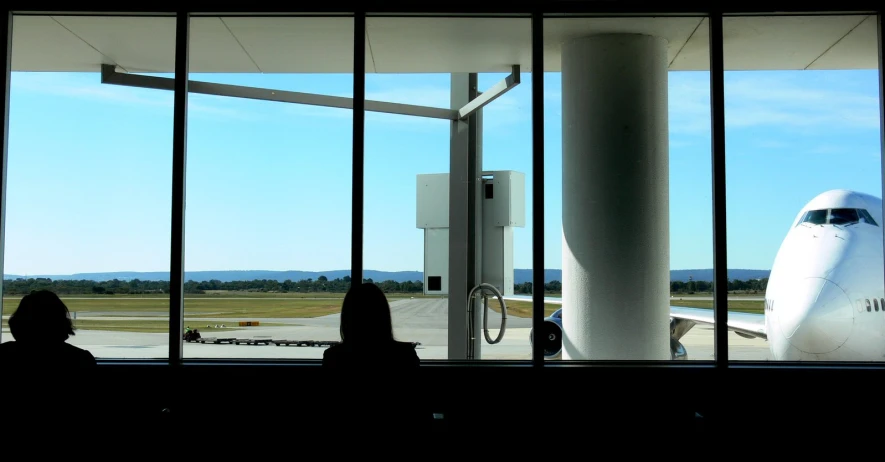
268,184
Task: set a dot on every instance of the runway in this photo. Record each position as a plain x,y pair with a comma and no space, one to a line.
415,320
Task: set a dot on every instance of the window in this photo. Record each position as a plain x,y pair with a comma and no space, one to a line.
815,217
866,217
843,216
269,182
610,94
89,177
277,219
415,207
795,137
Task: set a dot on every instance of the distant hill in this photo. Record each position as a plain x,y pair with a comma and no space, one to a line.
707,274
520,275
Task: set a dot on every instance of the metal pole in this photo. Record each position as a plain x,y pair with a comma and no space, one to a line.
359,131
720,244
179,162
6,33
538,187
880,33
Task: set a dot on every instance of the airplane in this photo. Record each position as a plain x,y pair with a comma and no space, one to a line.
825,299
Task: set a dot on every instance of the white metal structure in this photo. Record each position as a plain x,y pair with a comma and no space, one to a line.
502,209
825,299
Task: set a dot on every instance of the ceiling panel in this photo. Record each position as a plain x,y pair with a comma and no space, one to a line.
558,31
781,42
39,43
440,45
321,45
214,49
858,50
136,44
695,54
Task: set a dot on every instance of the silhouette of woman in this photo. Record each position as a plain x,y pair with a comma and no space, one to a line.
367,334
41,326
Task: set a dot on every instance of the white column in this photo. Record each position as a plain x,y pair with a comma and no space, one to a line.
615,198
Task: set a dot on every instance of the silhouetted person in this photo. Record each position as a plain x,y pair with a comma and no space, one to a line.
374,377
47,377
367,339
40,328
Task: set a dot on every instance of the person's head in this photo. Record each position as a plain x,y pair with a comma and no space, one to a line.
41,317
365,315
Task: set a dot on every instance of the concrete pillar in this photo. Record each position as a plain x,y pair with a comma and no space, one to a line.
615,198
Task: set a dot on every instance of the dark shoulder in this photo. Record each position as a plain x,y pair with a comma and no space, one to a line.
407,351
404,346
82,355
331,354
333,350
7,347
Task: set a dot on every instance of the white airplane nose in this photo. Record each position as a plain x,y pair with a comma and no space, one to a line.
818,316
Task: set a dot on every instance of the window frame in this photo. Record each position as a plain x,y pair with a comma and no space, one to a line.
538,11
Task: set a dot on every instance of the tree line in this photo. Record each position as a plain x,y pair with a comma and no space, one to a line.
320,284
678,287
137,286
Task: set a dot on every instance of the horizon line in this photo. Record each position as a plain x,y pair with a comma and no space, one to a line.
319,271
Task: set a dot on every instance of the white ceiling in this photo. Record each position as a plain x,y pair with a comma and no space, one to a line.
422,45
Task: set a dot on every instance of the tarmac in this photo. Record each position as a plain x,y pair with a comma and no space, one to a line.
415,320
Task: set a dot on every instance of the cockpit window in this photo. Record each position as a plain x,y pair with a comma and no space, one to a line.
838,217
815,217
843,216
866,217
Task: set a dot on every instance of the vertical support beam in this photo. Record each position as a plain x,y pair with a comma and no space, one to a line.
720,244
537,185
179,162
6,38
615,151
465,221
359,131
880,34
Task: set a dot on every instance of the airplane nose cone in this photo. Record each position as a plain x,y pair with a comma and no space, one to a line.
818,316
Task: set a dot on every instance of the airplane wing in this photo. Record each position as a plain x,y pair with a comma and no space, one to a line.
528,298
749,325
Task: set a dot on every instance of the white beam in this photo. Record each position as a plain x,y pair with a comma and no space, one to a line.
109,75
491,94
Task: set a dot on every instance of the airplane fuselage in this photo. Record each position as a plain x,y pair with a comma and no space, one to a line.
825,299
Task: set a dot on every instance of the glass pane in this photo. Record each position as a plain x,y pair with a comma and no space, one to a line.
628,189
268,225
89,178
803,140
414,162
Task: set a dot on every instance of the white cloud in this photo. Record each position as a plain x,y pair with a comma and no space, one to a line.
787,102
754,101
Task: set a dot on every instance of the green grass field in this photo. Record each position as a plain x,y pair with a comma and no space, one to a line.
232,305
138,325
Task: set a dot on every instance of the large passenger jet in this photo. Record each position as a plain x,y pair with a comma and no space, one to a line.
825,299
